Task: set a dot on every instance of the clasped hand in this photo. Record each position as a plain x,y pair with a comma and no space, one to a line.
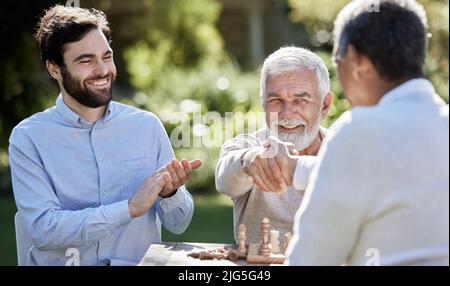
271,167
164,183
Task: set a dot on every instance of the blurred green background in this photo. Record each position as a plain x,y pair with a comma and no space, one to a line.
172,55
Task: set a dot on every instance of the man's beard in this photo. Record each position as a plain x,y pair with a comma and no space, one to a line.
301,140
83,94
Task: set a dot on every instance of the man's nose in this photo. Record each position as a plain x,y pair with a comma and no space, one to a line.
288,108
101,69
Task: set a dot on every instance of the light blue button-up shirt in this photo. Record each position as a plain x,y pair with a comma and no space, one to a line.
72,180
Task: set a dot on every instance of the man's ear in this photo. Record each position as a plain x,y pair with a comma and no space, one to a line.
327,101
353,59
360,63
53,69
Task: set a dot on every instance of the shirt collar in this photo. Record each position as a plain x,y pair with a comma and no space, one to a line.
419,87
73,118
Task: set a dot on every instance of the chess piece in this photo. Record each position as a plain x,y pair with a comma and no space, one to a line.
221,256
205,255
264,247
242,249
233,255
287,239
220,253
217,253
194,255
274,241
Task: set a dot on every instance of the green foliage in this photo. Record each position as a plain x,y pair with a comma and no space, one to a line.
312,13
20,67
177,33
180,63
25,88
437,63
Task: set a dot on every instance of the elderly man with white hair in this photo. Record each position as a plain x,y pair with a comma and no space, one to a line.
295,93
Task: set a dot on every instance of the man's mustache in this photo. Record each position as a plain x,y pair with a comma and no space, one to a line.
289,122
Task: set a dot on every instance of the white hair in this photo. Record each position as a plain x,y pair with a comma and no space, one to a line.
287,59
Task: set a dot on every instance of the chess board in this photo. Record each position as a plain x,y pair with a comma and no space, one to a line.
268,251
177,254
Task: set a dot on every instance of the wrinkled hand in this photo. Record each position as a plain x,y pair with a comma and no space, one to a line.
285,158
180,172
266,177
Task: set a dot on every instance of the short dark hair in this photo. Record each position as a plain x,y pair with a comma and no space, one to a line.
394,38
61,25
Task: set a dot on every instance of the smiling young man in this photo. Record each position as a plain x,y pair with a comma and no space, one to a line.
89,173
295,92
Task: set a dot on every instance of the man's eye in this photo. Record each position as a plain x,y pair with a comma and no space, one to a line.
85,61
107,58
301,101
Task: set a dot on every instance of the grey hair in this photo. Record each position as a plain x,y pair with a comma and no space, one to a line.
287,59
393,36
357,7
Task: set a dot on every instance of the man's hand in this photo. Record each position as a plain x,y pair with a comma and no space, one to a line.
180,172
285,158
267,178
165,182
143,199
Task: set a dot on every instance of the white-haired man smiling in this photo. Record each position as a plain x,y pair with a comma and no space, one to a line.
295,93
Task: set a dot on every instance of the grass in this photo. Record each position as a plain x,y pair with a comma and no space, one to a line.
212,222
8,255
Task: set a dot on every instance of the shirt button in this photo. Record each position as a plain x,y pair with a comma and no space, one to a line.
100,158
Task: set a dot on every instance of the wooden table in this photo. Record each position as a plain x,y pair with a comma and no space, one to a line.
175,254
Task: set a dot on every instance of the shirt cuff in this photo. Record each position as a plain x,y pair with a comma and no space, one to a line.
118,214
178,199
302,172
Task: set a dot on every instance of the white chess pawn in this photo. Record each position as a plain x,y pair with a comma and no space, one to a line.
264,246
241,240
275,241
